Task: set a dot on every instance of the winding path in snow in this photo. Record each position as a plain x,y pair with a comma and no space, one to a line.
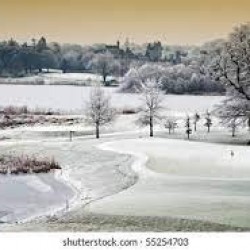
182,179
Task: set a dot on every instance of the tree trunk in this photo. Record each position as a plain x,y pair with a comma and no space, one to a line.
195,126
233,132
169,130
97,130
151,126
208,129
104,79
70,135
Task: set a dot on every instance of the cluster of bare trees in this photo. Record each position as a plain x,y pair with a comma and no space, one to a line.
100,112
190,123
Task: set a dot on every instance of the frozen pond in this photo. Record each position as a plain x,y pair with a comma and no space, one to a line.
69,98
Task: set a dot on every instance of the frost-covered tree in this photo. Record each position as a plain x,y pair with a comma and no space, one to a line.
105,65
171,124
230,65
208,121
188,127
174,79
136,77
98,109
151,104
232,113
233,125
196,120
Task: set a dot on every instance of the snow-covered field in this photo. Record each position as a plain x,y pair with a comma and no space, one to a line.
56,78
125,181
73,98
87,174
182,179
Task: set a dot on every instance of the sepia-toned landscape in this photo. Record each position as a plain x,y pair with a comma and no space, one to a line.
124,117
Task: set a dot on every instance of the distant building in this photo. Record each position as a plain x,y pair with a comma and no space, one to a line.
120,53
114,49
154,51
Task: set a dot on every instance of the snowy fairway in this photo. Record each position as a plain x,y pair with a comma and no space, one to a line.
183,180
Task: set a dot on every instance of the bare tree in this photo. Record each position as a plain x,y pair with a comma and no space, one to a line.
98,109
232,113
151,97
196,120
188,127
233,125
208,121
170,124
105,65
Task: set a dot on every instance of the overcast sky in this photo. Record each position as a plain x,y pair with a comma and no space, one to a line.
96,21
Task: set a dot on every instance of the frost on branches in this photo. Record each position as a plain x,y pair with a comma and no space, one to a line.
151,104
98,109
231,67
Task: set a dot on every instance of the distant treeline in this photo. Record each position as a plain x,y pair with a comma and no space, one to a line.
18,59
182,64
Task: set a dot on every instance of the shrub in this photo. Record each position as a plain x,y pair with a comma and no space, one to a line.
25,164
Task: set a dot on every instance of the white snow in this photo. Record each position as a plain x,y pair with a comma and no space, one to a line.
177,178
68,98
29,196
35,183
57,78
184,180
